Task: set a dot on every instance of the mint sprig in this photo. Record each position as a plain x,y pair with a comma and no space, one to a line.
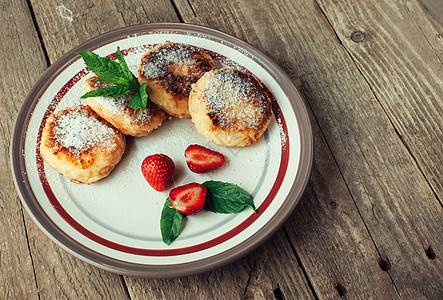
116,73
221,197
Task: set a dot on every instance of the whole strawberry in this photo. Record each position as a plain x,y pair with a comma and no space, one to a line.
158,170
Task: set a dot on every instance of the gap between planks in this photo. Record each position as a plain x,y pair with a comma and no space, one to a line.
29,250
302,267
179,16
39,35
339,287
37,30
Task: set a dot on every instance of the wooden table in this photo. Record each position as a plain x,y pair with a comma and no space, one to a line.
370,223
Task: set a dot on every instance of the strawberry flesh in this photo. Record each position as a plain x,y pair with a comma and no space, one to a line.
189,198
158,170
201,159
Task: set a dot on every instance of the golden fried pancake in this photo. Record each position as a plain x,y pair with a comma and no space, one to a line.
169,70
116,110
81,145
230,108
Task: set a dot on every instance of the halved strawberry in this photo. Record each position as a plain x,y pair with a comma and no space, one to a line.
158,170
201,159
189,198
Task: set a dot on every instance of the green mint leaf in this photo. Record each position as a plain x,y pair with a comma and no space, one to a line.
125,69
118,73
107,69
170,222
143,95
107,91
140,99
135,102
226,198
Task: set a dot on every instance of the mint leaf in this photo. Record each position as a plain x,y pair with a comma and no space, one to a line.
143,95
170,222
226,198
107,69
136,101
107,91
140,99
125,69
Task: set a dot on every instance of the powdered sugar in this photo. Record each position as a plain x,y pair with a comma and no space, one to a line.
235,98
155,66
119,105
79,132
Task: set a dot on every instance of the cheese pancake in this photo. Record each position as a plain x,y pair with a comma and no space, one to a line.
116,110
81,145
169,70
230,108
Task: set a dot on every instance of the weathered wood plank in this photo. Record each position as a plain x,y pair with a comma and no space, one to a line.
64,26
18,40
332,240
396,203
60,275
394,200
431,29
406,77
408,81
272,268
293,37
435,8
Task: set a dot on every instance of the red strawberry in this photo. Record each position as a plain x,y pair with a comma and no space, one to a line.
201,159
158,170
189,198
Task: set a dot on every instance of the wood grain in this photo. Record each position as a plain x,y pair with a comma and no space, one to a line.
18,40
401,207
59,275
331,238
435,8
64,26
269,269
431,30
394,200
416,112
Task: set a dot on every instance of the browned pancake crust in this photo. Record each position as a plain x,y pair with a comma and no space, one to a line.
88,161
230,108
169,70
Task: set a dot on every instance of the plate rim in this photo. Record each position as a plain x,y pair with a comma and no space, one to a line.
105,262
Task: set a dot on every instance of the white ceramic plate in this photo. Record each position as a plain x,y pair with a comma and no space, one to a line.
114,223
